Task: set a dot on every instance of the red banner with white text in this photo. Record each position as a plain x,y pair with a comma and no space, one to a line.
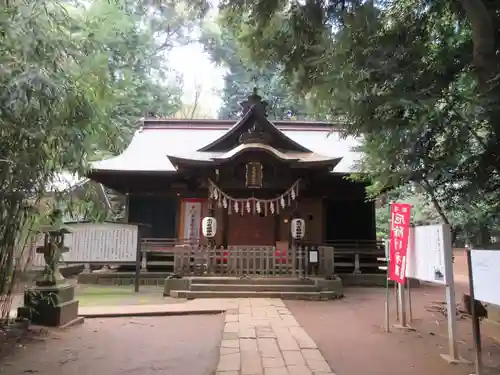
400,232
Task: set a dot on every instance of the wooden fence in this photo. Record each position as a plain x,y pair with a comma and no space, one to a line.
241,261
122,244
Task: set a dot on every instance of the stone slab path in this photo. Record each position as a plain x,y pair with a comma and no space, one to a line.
185,308
261,337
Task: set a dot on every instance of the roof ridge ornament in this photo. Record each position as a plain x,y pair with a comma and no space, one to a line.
254,101
255,135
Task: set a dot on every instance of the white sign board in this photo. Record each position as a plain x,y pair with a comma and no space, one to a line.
486,275
430,254
98,242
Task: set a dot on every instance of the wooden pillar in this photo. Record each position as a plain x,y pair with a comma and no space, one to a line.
277,227
225,226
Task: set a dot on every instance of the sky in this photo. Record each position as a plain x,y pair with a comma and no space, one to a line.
196,69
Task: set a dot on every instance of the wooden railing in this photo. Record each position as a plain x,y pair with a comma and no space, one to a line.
109,243
357,256
349,256
252,261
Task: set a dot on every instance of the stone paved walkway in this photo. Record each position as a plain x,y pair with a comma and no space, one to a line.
261,337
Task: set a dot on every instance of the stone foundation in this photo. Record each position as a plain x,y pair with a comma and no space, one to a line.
51,306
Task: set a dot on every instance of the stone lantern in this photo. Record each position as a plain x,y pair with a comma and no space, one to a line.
51,302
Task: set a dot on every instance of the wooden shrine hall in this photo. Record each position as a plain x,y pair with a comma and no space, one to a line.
254,176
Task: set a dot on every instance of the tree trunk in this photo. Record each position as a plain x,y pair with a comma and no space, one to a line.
487,68
437,206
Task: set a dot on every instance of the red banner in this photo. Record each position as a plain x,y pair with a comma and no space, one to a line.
400,231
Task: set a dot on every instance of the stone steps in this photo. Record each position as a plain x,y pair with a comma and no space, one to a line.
314,296
297,288
257,287
276,280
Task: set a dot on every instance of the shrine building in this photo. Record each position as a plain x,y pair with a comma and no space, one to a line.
254,176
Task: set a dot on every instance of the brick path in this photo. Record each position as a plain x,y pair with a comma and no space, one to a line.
261,337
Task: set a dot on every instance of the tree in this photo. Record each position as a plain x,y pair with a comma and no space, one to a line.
415,79
74,81
135,38
193,109
243,75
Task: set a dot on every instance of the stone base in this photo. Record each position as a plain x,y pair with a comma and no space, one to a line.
52,306
175,285
333,285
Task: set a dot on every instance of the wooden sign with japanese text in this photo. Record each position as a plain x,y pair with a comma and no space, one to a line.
254,175
400,231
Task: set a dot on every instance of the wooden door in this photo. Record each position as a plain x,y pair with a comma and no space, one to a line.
251,230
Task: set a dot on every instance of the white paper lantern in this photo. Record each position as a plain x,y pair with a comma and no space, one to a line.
209,226
298,228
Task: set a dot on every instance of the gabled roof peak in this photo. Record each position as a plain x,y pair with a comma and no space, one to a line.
254,126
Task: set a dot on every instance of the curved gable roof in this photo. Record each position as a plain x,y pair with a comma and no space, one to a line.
231,138
150,145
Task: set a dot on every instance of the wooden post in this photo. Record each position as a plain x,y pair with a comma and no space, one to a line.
357,268
137,279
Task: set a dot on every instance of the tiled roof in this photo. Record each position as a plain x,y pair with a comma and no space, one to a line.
151,145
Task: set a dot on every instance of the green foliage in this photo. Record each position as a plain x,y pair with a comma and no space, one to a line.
75,80
243,75
133,41
415,80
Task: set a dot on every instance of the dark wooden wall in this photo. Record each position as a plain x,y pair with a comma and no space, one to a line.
344,214
159,213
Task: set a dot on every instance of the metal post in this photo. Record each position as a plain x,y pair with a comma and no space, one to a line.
402,303
452,322
410,311
450,297
387,288
476,329
387,323
397,300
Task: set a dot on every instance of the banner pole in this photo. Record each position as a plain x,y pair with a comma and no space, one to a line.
387,286
387,294
401,297
410,312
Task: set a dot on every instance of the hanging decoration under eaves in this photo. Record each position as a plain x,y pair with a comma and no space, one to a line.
254,205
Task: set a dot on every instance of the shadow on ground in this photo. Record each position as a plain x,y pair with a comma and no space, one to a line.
350,333
179,345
